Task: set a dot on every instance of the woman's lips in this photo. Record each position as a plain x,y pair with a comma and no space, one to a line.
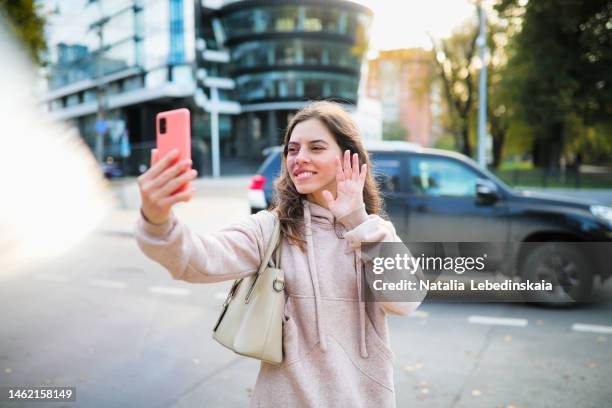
304,176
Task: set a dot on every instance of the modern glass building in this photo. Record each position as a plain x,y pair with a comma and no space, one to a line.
241,67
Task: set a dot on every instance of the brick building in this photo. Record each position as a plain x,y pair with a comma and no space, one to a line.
402,81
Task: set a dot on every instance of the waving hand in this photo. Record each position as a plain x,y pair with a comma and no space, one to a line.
349,186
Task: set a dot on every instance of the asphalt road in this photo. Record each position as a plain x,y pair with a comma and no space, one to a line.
112,323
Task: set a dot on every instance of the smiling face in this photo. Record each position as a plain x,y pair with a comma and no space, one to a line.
311,159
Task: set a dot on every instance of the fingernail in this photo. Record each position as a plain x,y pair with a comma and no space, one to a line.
174,152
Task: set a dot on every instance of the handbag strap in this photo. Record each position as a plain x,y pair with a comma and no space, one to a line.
272,244
277,255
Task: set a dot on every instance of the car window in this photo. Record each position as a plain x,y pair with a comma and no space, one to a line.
386,172
273,168
442,177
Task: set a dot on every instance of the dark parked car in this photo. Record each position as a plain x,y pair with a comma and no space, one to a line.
440,196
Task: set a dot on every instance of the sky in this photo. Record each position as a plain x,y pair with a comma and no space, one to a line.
405,23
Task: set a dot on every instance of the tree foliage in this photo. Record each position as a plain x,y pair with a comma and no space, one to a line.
395,131
549,79
25,19
561,61
454,57
458,65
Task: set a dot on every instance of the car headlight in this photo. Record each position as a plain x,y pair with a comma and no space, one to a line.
602,212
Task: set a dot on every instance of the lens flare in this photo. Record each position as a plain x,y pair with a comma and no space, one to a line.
53,193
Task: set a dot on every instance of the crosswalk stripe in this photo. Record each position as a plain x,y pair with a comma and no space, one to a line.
591,328
109,284
499,321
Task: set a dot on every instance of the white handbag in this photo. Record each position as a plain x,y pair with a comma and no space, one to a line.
251,322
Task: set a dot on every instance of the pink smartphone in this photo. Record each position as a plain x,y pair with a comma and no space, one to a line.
174,132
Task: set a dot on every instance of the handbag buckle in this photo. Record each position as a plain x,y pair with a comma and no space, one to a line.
278,285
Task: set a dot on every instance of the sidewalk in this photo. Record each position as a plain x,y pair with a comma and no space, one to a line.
226,195
125,190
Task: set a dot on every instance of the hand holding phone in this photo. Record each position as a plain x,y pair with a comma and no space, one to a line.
159,184
167,182
174,133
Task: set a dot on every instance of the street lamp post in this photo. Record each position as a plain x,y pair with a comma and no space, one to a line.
214,132
482,89
101,126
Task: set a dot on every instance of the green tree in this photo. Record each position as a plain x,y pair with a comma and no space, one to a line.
25,19
561,59
454,58
500,109
458,67
394,131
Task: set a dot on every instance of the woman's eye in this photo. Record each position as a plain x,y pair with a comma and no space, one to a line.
317,148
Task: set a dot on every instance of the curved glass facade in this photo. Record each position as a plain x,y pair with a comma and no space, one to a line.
288,52
338,19
301,51
273,86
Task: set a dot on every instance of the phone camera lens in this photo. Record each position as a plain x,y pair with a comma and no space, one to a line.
162,125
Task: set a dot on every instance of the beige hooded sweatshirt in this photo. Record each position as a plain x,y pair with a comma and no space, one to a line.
336,347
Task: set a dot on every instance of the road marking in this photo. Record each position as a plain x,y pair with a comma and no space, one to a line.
51,278
164,290
591,328
500,321
108,284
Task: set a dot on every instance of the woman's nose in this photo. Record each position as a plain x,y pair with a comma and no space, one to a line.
302,157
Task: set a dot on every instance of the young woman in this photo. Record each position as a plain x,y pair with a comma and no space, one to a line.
336,346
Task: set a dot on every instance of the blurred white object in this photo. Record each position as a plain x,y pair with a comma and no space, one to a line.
53,193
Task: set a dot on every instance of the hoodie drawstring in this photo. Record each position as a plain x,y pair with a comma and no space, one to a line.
362,337
314,276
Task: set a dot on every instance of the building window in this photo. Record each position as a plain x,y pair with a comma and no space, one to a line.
313,24
285,24
132,83
312,54
72,100
285,18
118,57
177,42
256,128
322,19
56,104
89,95
285,55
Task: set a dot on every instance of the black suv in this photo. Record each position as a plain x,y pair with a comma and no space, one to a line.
440,196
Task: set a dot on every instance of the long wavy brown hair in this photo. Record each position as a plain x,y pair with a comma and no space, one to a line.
287,200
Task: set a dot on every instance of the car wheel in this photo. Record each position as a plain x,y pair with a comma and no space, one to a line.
565,267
